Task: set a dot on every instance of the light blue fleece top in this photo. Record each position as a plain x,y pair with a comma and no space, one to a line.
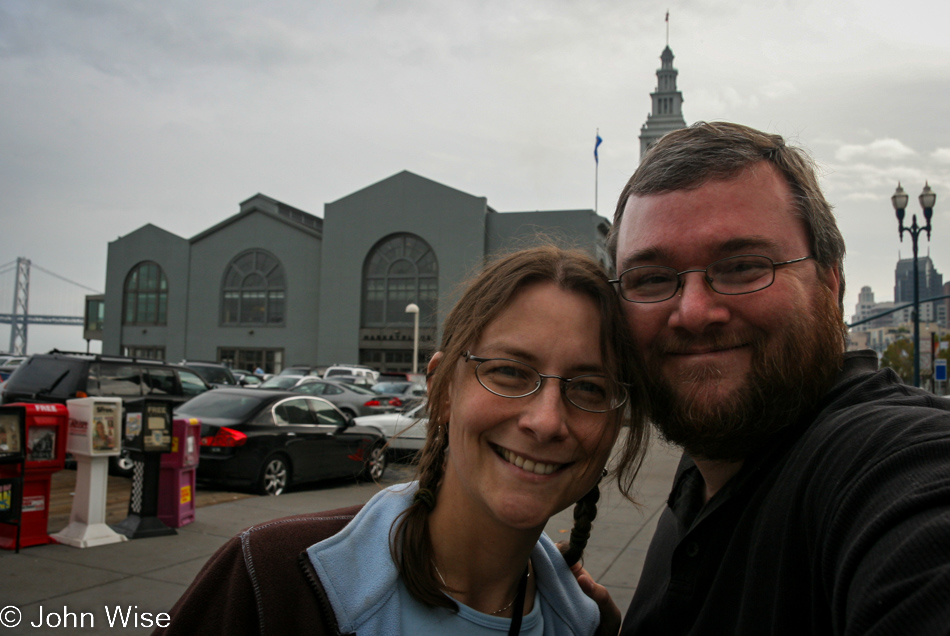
361,580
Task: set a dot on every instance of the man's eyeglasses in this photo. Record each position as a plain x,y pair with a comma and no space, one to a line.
731,276
512,379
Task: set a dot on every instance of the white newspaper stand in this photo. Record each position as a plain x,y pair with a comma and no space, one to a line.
95,433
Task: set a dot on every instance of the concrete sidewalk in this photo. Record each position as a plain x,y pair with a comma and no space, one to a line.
149,575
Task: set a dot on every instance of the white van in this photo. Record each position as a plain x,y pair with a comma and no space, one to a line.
351,369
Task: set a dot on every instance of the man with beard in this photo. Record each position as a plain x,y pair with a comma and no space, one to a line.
813,496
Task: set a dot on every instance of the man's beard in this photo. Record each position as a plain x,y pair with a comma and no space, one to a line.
790,371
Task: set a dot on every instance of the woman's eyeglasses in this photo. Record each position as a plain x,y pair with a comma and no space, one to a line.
513,379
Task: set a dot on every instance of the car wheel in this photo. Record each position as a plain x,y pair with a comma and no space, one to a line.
375,464
275,475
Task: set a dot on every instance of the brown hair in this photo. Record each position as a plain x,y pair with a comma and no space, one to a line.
688,158
485,298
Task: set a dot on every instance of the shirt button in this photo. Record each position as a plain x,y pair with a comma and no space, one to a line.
692,549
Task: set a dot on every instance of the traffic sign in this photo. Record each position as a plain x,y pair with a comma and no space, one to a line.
940,369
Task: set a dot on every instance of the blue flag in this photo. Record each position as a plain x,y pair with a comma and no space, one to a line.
597,145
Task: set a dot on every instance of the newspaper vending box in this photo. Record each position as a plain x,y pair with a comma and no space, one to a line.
45,455
12,467
176,490
148,434
95,430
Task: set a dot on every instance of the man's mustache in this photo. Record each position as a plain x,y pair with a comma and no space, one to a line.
687,343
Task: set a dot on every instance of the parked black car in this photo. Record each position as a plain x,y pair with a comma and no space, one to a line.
268,440
58,376
214,373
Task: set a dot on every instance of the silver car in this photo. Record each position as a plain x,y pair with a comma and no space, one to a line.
406,431
353,400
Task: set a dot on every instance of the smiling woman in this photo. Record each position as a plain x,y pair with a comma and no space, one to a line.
533,381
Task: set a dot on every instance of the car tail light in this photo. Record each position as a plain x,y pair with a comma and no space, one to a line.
81,394
373,403
227,437
395,402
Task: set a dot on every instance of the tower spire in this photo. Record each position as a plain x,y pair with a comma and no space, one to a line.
667,112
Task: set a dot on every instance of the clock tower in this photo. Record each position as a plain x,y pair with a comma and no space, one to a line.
667,112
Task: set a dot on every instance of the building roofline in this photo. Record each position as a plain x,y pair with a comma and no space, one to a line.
277,210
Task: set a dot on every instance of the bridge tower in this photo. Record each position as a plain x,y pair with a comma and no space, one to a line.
21,303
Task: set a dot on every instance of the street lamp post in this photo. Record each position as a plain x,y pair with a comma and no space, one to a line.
927,200
413,308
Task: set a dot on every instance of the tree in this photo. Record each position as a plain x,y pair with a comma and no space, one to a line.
899,356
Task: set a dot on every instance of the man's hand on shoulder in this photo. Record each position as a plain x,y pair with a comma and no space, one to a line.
610,618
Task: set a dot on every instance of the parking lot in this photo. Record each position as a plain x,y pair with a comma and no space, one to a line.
148,575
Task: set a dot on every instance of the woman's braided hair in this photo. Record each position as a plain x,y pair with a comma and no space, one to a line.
484,299
585,511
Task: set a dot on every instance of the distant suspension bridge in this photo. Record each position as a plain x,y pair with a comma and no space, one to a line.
54,303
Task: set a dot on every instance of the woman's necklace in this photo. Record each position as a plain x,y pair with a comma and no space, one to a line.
527,575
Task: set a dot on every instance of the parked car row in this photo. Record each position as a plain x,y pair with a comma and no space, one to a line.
306,429
58,376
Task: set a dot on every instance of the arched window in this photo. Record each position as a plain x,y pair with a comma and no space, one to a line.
146,295
253,290
399,270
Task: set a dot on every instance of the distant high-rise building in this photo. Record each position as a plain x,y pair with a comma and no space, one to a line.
930,283
866,308
667,112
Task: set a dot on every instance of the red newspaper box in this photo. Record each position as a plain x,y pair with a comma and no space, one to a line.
176,486
45,455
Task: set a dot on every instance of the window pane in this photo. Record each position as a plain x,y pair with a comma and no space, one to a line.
276,277
141,310
121,380
254,280
402,268
253,307
427,264
130,302
151,308
377,264
233,279
160,381
191,384
294,411
326,414
245,263
275,307
230,307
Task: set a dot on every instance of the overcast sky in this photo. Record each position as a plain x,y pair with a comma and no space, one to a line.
116,113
